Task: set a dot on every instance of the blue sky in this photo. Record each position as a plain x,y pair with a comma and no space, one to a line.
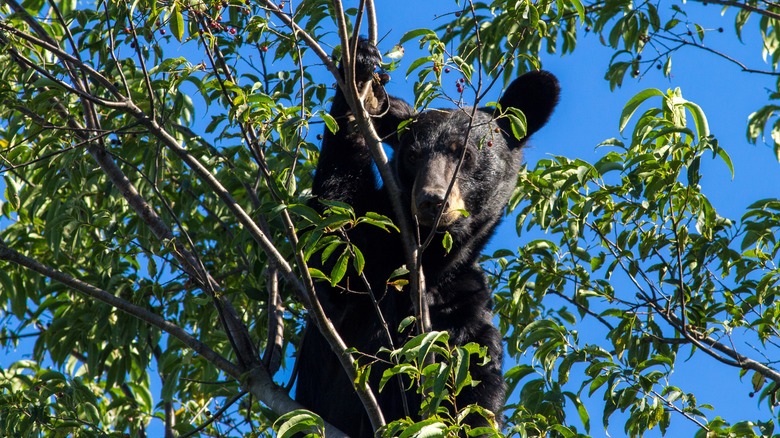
589,113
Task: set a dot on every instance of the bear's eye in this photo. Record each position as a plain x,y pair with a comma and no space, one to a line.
468,156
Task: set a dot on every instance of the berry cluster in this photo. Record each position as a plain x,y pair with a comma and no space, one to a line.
460,84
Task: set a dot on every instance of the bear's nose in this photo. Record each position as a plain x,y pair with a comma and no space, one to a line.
429,203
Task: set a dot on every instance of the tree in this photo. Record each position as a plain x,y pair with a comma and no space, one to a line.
161,268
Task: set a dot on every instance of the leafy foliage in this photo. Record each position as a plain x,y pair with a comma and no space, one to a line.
155,235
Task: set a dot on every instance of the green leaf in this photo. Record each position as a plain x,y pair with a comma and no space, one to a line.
340,268
461,366
358,262
417,63
299,421
428,341
446,242
378,220
580,9
667,69
430,428
151,266
699,119
399,272
330,122
67,6
417,33
89,411
317,274
776,142
758,381
727,159
634,103
777,152
396,53
177,22
517,122
406,322
581,410
394,371
143,396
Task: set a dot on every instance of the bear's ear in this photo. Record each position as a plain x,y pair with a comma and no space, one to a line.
536,95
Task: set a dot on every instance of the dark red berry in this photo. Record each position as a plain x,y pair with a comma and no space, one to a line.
447,70
638,57
720,29
232,30
319,136
264,48
587,28
457,14
436,68
162,31
490,143
128,30
384,78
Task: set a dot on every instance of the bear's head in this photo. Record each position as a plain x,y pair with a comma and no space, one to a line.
430,147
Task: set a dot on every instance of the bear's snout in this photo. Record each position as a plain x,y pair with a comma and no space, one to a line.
428,199
428,204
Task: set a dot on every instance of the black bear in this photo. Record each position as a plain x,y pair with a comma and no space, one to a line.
426,152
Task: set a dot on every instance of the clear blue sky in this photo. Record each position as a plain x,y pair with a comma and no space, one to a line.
588,113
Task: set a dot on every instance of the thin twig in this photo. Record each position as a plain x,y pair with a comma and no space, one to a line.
735,61
680,411
745,6
216,415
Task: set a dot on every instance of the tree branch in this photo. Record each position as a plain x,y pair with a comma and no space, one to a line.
145,315
745,6
307,292
234,328
257,380
272,357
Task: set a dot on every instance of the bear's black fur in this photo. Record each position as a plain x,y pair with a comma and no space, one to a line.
426,153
